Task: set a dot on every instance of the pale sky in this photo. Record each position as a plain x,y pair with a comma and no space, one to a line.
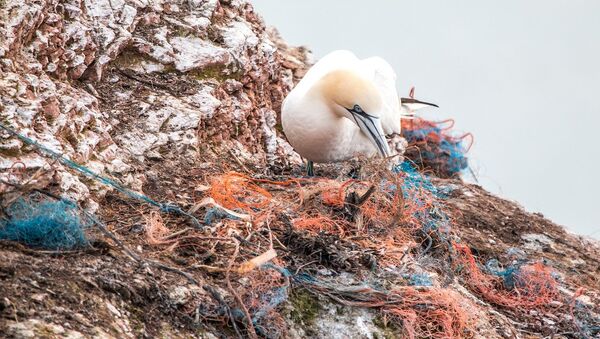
522,76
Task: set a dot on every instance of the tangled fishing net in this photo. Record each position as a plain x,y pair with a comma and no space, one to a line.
432,146
267,237
422,313
586,323
42,223
386,213
525,286
267,289
237,191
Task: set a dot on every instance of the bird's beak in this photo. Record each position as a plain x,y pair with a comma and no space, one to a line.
412,105
372,128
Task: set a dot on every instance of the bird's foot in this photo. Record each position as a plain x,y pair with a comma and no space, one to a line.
310,168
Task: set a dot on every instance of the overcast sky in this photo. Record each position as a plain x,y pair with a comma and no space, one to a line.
522,76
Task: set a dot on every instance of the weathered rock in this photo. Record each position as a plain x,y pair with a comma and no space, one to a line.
33,328
118,83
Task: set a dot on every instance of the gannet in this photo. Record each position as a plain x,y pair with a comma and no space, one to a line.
345,107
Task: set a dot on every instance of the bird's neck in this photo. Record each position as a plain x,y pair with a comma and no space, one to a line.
324,106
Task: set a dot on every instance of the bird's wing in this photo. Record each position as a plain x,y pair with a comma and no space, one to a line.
383,76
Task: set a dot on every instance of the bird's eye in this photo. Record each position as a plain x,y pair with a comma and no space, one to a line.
357,109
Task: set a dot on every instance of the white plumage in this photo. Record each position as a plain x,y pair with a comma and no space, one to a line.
343,107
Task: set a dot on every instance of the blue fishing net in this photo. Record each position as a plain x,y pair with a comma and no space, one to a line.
432,148
270,301
165,207
419,279
414,185
52,225
509,275
413,180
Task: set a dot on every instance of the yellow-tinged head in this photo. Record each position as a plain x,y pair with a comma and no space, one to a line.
343,90
351,96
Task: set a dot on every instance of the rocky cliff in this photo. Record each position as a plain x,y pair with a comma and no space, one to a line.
114,85
132,107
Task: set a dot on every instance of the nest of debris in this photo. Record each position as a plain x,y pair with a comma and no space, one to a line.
249,240
435,148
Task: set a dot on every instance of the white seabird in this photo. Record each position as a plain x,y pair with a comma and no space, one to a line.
344,107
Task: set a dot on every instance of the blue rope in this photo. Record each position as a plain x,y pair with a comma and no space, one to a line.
168,208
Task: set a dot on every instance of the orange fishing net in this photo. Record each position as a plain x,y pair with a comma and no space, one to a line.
422,312
431,313
237,191
533,287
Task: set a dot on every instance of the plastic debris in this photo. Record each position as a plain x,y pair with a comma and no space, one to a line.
432,147
52,225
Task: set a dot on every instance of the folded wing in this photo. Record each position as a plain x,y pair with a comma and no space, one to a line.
383,76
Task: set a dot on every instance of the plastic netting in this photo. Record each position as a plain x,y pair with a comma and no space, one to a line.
586,322
165,207
53,225
236,191
432,146
526,286
420,313
399,208
266,290
419,279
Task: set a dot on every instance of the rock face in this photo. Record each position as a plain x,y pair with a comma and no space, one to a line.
167,97
112,84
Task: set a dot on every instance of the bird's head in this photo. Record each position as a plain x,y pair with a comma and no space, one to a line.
353,97
408,106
